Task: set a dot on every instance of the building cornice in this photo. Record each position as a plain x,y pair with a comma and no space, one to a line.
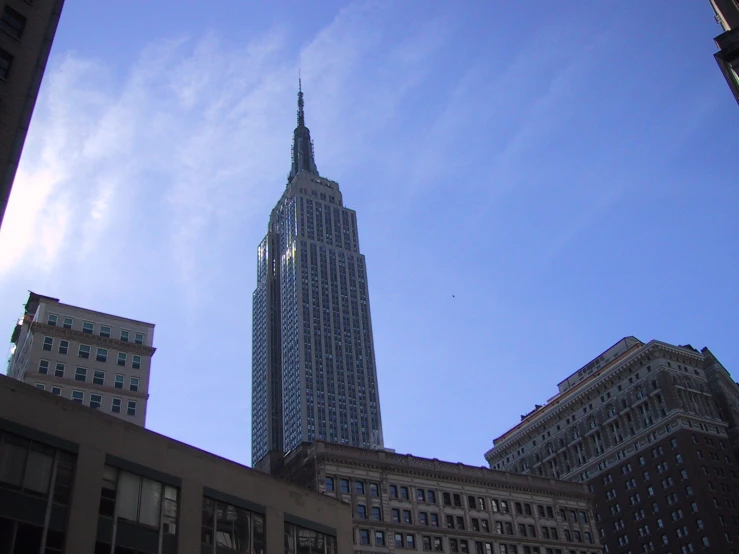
89,338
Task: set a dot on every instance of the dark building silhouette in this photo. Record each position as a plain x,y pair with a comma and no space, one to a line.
27,31
727,15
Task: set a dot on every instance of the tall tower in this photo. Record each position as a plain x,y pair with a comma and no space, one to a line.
313,357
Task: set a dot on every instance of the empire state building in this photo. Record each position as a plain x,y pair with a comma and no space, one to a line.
313,359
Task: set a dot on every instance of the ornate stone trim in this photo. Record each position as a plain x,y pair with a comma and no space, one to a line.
79,336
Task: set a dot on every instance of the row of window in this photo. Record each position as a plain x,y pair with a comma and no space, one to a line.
95,400
401,492
81,373
89,328
84,351
431,543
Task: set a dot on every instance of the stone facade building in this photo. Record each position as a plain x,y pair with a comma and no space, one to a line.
652,429
96,359
27,31
77,480
313,358
404,503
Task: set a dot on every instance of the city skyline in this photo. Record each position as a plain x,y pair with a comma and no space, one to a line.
537,209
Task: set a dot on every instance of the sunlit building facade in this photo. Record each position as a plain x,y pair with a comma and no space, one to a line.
313,360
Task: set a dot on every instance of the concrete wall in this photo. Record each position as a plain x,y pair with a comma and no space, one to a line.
99,435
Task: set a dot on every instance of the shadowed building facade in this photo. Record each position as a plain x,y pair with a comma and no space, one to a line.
727,15
313,359
27,31
652,429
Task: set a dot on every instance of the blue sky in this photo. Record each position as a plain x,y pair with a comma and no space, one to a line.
533,181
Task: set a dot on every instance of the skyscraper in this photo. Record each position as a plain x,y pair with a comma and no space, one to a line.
313,358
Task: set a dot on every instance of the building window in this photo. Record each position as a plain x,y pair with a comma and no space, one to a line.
447,499
457,501
140,500
344,486
63,346
12,22
407,517
56,390
119,379
43,367
329,484
136,364
395,515
115,407
134,384
122,359
124,335
361,511
59,370
398,540
404,493
67,323
40,386
359,487
431,497
104,331
6,62
80,374
102,355
138,338
78,396
376,513
434,520
88,327
48,343
379,538
96,400
52,320
393,490
84,351
374,490
98,377
131,410
410,542
420,495
364,536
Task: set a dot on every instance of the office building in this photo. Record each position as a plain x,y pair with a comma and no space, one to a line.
26,33
313,359
96,359
405,503
652,429
727,15
77,480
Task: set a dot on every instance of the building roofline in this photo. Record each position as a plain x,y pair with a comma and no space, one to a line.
558,399
457,470
51,298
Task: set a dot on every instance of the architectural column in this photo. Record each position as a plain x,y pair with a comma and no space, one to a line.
83,508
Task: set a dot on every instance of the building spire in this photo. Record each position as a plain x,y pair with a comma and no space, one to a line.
302,154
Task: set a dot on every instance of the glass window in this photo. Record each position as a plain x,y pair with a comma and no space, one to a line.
88,327
361,511
116,406
359,487
59,370
80,374
139,338
98,377
63,346
379,538
102,355
84,351
345,486
122,358
131,408
374,490
136,364
52,320
364,536
404,493
119,379
431,496
43,367
299,540
134,384
56,390
96,400
124,335
67,323
48,343
104,331
78,396
329,484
